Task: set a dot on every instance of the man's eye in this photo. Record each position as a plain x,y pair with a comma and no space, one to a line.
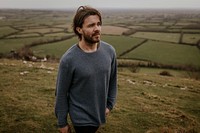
91,25
99,24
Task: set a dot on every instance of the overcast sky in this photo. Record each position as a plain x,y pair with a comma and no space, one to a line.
66,4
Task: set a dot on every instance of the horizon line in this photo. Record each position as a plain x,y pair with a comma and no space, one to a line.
107,8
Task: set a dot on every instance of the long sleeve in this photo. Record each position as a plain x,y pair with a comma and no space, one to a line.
62,89
112,90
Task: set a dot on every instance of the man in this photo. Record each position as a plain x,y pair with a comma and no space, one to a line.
87,78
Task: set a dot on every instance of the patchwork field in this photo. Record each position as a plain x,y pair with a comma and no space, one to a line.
45,32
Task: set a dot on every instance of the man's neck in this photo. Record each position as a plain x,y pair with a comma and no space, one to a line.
88,48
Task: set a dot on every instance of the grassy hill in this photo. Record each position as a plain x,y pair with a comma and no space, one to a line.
146,102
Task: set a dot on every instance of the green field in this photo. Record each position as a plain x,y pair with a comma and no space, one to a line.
146,101
121,43
6,30
168,37
43,30
54,49
23,35
166,53
191,38
14,44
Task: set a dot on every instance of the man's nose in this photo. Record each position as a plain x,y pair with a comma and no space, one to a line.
98,27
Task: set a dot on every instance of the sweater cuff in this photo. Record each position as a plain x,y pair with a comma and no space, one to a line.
61,126
110,108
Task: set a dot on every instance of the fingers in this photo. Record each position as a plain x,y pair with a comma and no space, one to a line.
65,129
107,111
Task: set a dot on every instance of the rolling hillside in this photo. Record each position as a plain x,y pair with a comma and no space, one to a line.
146,101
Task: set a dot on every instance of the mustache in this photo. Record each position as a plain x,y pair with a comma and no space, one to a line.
96,33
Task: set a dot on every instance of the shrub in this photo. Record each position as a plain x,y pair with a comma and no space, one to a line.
134,69
25,53
165,73
194,75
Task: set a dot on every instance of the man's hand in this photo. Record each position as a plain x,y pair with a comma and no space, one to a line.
65,129
107,111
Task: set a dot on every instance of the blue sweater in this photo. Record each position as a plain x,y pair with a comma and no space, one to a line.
86,85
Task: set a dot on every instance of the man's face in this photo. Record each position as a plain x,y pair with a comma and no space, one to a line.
91,29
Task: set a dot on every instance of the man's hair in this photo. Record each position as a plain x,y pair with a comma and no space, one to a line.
81,14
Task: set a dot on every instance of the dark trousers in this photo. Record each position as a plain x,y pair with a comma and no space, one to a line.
85,129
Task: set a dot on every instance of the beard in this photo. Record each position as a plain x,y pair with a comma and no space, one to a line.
94,38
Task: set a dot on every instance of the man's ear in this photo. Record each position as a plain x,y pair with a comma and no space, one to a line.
79,30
